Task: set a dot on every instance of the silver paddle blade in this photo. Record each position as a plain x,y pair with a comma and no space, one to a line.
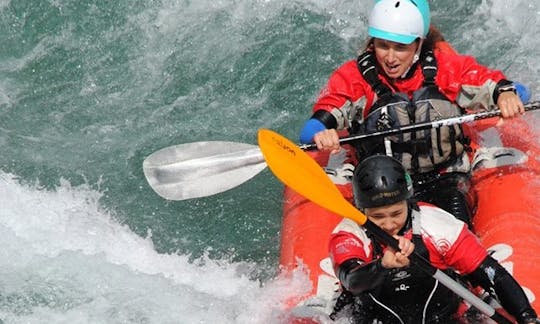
201,169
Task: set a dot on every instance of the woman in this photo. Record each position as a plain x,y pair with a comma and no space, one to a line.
403,78
386,287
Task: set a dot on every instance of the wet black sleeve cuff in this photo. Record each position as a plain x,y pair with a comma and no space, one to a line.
503,86
326,118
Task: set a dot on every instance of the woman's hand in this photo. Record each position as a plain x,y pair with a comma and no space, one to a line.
510,105
398,259
327,140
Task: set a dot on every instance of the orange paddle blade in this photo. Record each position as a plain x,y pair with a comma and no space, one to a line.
300,172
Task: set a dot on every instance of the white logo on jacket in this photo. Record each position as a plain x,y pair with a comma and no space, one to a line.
402,287
401,275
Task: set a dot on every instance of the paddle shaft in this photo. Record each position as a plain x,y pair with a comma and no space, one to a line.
425,125
437,274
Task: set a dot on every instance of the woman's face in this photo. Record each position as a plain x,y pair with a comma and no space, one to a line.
390,218
395,58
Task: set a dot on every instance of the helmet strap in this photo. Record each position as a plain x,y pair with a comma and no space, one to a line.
418,51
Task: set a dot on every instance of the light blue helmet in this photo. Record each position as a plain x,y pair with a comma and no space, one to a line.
401,21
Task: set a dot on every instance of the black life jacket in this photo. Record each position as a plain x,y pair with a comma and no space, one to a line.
421,151
407,294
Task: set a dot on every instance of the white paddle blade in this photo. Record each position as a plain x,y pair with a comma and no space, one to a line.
201,169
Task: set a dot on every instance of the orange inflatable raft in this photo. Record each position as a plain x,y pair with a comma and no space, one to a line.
505,192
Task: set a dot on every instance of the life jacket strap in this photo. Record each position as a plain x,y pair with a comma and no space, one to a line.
414,147
429,68
368,68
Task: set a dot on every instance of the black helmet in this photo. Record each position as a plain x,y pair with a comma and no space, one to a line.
380,180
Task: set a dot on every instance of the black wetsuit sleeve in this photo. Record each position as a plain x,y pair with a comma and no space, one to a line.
326,118
491,276
357,276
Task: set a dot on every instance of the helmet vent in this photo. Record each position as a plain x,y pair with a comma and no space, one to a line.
384,181
397,4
